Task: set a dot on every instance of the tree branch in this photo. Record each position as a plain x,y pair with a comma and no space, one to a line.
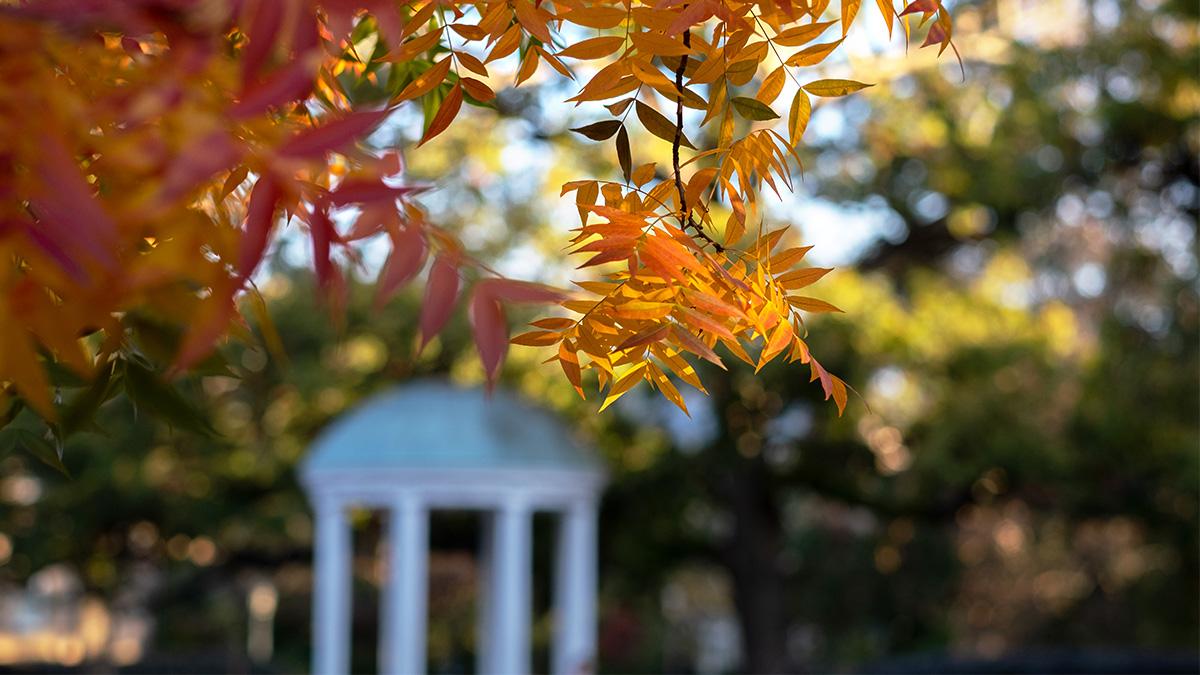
685,213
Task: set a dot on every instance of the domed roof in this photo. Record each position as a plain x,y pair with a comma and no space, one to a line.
433,424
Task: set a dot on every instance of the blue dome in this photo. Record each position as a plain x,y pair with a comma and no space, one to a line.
433,424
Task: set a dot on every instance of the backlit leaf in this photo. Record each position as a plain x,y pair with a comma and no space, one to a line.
834,87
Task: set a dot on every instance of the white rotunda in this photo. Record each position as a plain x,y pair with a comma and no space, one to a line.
430,445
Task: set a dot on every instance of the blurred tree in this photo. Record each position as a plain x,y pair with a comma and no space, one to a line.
1031,365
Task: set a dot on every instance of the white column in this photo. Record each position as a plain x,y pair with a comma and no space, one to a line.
511,594
485,643
331,588
402,638
574,649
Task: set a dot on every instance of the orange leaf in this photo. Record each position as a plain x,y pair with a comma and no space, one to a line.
646,337
445,114
569,360
801,278
593,48
426,81
811,304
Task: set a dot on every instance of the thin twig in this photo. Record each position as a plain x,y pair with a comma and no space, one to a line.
685,214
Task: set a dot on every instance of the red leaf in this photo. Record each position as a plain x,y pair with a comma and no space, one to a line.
935,36
408,254
924,6
260,219
288,83
197,163
333,135
366,191
322,233
440,295
263,29
305,34
491,332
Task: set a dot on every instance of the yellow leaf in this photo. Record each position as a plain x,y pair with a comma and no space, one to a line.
849,11
813,55
834,87
668,390
798,117
888,12
623,384
771,86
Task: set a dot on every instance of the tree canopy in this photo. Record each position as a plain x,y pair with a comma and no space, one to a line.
155,149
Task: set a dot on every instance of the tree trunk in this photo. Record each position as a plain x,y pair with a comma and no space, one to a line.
752,558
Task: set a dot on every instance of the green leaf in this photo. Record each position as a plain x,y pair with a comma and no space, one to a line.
12,438
81,412
147,391
599,131
753,109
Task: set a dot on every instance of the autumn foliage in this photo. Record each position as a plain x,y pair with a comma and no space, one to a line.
153,149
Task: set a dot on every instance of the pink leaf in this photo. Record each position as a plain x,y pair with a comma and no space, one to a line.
511,290
373,219
691,15
408,255
440,295
491,332
66,210
56,252
260,219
